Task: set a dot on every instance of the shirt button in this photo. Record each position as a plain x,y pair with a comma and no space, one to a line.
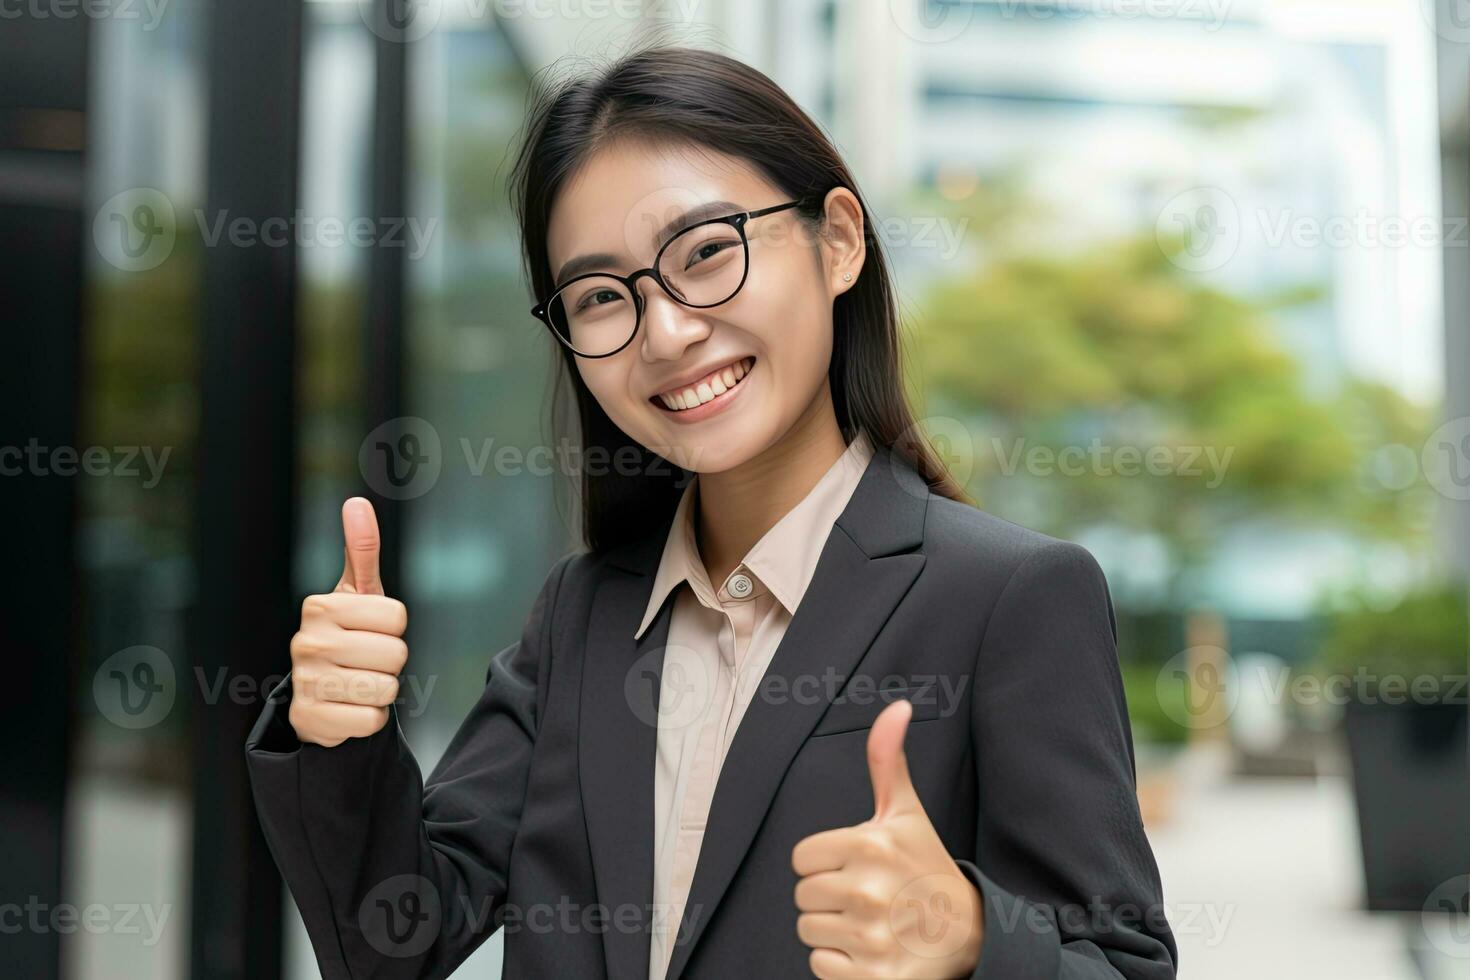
740,585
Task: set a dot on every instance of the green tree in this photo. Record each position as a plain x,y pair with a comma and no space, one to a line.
1180,411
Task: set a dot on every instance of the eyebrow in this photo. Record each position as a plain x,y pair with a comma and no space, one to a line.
600,261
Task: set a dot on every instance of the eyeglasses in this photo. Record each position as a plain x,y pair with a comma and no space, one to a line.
597,314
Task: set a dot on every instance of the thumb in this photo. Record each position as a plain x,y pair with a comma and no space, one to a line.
360,553
888,766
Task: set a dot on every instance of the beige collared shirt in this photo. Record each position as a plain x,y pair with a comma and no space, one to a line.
720,643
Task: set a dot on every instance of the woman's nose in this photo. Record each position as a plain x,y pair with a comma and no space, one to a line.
668,326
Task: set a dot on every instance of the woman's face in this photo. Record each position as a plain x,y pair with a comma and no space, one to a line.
773,339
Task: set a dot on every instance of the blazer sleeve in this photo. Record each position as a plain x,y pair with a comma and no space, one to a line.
1070,889
393,877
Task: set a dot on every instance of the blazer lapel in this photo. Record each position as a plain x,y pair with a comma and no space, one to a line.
866,567
860,577
617,748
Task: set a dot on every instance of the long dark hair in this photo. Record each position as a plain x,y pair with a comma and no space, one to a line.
706,99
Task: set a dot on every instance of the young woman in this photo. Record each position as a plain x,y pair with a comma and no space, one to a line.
799,707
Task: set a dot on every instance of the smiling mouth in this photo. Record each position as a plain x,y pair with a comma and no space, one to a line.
707,390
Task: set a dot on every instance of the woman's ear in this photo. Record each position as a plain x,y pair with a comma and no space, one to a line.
844,244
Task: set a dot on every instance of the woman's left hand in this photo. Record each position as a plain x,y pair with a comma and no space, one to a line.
884,898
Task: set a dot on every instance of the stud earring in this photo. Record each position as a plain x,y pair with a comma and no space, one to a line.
847,277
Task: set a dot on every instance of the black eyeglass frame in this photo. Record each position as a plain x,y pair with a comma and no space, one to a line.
542,311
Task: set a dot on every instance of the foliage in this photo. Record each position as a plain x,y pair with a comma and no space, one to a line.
1426,631
1182,412
1152,720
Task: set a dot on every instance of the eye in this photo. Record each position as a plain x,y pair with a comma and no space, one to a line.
598,297
708,251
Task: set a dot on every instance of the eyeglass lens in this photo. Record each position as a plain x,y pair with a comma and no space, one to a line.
702,266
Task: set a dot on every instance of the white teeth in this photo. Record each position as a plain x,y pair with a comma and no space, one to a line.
706,390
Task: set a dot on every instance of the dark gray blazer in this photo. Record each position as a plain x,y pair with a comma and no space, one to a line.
539,817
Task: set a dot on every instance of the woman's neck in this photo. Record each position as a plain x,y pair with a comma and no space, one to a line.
736,507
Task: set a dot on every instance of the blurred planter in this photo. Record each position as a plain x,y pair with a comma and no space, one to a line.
1411,783
1408,732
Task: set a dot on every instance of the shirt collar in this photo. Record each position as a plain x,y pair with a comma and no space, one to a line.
784,559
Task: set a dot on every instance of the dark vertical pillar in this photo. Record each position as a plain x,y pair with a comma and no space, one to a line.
386,292
1454,145
245,611
43,236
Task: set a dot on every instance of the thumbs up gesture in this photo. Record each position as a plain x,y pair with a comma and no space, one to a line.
884,898
346,658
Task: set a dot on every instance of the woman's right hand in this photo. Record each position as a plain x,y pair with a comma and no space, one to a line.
346,658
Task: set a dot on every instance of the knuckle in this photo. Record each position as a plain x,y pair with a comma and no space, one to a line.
868,846
398,655
876,939
398,617
302,722
314,607
876,846
870,898
305,677
305,645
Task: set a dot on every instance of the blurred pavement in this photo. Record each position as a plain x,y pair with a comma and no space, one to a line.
1263,880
